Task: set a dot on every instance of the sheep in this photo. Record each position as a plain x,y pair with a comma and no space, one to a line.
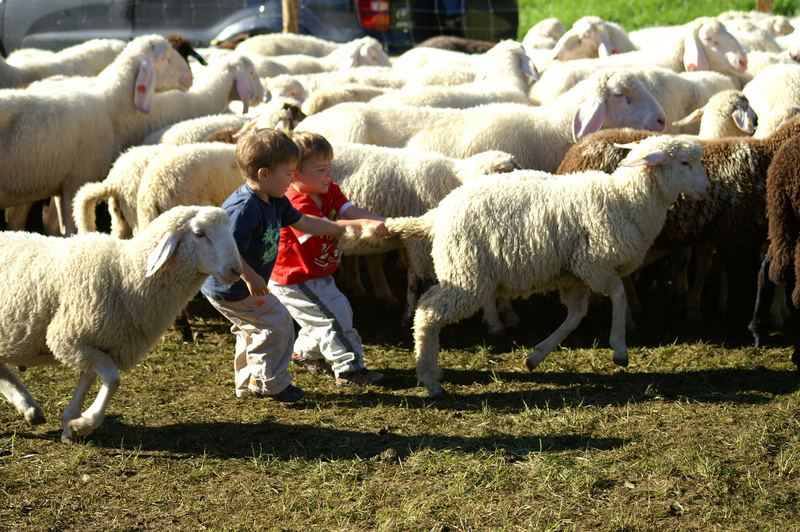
726,114
101,303
774,90
781,265
301,86
592,37
101,116
505,76
349,92
753,37
358,52
532,233
537,137
457,44
85,59
195,129
777,25
731,216
273,44
704,44
543,35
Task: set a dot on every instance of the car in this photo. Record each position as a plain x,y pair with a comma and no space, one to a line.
398,24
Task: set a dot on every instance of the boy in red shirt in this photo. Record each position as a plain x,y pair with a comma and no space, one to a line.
302,278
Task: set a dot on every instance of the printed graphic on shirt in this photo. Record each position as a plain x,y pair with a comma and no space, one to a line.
329,254
270,238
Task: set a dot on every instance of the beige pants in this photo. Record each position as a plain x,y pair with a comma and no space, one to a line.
264,338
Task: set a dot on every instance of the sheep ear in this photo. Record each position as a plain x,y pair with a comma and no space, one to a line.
244,88
144,86
694,116
162,253
740,119
350,60
589,118
527,67
694,58
194,53
638,157
606,48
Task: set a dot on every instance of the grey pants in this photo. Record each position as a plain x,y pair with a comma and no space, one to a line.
326,323
264,337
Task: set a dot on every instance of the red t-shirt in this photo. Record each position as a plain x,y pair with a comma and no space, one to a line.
302,256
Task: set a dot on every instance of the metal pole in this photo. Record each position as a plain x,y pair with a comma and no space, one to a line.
289,16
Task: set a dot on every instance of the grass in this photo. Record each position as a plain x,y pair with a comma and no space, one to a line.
635,14
696,434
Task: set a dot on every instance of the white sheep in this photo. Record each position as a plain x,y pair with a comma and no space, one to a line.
704,44
349,92
40,161
272,44
537,136
505,75
101,303
726,114
358,52
543,35
86,59
773,92
592,36
195,129
533,233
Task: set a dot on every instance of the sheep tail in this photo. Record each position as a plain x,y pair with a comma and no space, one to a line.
85,202
408,227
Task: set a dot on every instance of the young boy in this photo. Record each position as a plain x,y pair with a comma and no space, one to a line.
303,275
258,209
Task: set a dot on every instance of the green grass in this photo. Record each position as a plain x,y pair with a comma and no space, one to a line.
635,14
694,435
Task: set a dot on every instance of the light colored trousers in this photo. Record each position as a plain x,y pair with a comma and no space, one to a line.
326,322
264,337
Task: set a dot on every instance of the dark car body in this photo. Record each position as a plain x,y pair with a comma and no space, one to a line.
398,24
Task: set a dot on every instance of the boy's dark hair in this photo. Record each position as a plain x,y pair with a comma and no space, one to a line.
264,148
312,145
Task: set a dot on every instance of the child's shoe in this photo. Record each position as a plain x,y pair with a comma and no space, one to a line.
290,394
315,366
358,377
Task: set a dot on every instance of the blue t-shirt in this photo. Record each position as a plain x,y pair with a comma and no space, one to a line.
256,230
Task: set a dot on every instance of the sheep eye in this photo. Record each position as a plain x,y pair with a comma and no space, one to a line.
199,233
685,163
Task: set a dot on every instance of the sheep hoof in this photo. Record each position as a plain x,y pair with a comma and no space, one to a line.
34,416
67,436
692,314
532,362
435,391
620,361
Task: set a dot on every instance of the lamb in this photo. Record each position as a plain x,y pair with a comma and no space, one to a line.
358,52
537,137
731,216
592,37
103,114
457,44
101,303
85,59
577,234
505,76
726,114
704,44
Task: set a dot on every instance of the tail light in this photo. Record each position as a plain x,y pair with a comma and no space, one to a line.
373,15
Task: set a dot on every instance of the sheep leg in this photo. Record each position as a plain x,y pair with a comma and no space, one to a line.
779,310
764,292
73,410
507,314
93,416
704,252
17,216
491,318
722,302
617,337
64,207
352,276
378,278
50,220
412,295
14,390
439,306
576,299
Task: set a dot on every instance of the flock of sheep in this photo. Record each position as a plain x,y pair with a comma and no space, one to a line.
491,167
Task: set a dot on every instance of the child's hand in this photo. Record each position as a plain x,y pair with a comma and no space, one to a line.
376,227
257,286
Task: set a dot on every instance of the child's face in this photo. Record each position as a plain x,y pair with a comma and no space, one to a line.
274,181
313,176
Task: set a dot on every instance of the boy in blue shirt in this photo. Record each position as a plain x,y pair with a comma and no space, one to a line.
258,209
